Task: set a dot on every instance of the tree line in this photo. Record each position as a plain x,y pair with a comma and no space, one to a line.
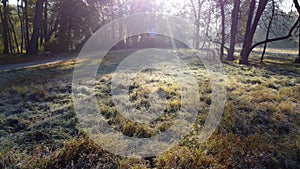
32,26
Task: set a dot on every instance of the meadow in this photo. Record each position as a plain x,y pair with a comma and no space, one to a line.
259,127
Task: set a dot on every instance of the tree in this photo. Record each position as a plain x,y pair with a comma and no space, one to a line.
252,25
26,33
21,19
251,28
14,44
37,26
222,6
197,14
45,22
268,30
5,28
77,21
234,29
296,3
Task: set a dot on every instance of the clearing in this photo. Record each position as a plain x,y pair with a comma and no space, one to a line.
259,127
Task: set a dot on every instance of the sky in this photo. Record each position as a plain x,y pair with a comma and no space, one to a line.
13,1
286,4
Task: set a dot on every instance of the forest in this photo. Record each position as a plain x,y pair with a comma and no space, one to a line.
44,84
32,27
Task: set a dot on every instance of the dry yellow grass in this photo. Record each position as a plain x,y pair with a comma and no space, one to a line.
259,127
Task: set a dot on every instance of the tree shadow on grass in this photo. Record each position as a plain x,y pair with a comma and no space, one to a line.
280,64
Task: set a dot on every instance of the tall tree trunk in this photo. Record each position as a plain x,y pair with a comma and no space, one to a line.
46,18
268,31
5,27
198,25
37,25
26,26
207,30
112,18
11,48
45,22
251,28
64,25
22,26
299,45
69,35
120,23
234,29
44,28
247,41
296,3
197,14
223,29
197,38
41,36
14,34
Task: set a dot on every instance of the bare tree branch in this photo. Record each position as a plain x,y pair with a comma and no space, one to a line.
279,38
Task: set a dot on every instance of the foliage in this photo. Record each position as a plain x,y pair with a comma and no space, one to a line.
65,25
